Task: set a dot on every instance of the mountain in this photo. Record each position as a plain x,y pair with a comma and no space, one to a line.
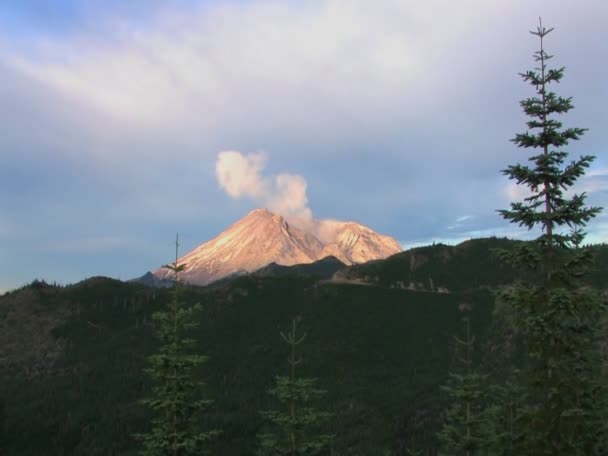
151,280
324,268
355,243
262,237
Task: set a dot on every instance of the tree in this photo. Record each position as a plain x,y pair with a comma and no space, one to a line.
556,314
503,424
3,437
462,432
297,427
175,395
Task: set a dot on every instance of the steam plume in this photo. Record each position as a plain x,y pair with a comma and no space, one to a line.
241,176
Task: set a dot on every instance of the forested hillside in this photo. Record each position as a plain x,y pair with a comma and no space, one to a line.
72,358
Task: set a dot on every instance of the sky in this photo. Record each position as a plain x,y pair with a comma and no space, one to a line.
124,123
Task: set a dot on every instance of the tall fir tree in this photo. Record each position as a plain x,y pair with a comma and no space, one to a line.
463,431
557,316
298,427
504,415
176,394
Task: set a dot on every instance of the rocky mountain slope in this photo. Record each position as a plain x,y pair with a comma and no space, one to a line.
261,238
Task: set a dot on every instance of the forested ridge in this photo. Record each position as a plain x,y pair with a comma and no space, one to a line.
73,357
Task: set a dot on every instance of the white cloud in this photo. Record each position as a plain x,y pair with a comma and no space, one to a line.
603,172
290,197
463,218
460,222
221,59
599,234
593,181
241,176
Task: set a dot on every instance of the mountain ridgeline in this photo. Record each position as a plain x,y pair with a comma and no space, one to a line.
261,238
380,342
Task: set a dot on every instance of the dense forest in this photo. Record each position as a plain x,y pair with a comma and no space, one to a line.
73,357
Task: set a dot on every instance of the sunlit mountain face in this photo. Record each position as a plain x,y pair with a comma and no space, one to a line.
262,237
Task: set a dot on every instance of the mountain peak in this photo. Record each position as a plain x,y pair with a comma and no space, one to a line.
263,237
260,212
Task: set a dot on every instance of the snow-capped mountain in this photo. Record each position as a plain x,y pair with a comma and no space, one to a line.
261,238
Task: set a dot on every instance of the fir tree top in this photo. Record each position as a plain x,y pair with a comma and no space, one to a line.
547,178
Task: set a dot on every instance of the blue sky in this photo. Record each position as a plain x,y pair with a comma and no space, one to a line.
396,114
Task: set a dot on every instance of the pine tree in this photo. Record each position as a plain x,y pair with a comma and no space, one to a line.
463,430
3,437
504,416
507,385
557,316
175,399
297,428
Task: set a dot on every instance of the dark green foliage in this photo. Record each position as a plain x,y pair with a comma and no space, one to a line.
361,337
321,269
505,419
175,395
416,433
381,353
449,268
468,265
504,354
557,316
3,438
465,430
298,425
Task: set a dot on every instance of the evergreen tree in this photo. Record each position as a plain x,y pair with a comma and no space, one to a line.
462,432
504,424
507,384
557,316
297,427
3,436
175,399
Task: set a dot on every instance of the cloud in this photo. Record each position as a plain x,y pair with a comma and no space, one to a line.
460,222
86,245
290,197
241,176
205,60
603,172
463,218
594,181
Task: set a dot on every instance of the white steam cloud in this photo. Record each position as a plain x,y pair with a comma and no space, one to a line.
241,176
